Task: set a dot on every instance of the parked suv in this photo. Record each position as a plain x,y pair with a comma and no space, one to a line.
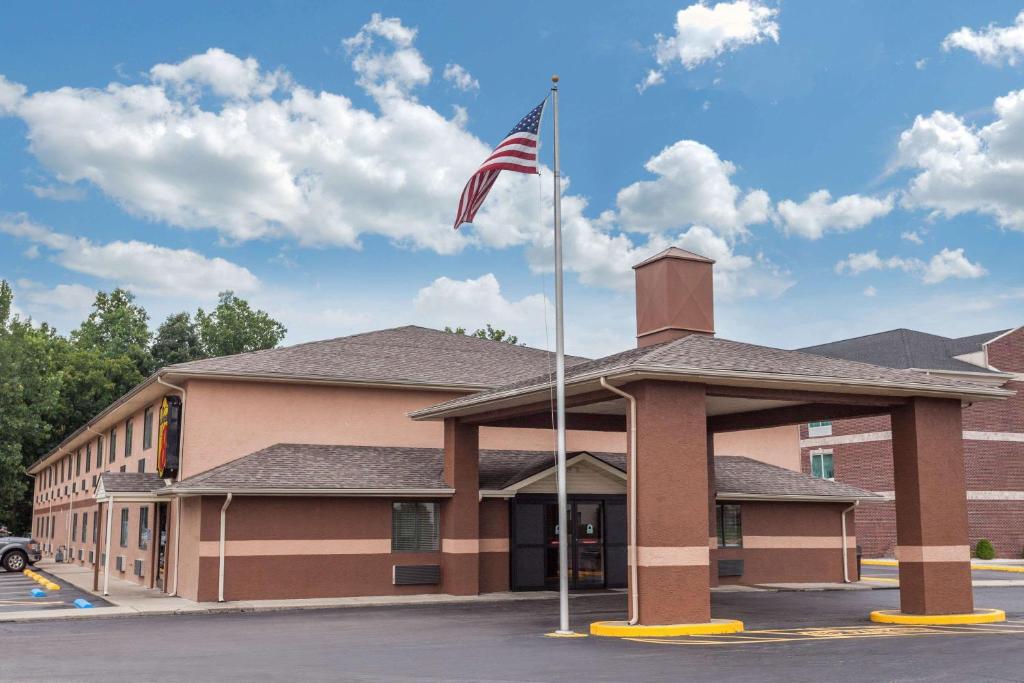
17,552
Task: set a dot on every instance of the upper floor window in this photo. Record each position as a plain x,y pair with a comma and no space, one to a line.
88,456
129,427
730,528
99,452
821,428
415,527
821,465
78,463
113,445
124,527
147,428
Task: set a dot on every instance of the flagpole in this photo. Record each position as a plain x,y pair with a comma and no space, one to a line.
563,506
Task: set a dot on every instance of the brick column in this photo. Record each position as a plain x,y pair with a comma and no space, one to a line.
931,508
672,503
460,515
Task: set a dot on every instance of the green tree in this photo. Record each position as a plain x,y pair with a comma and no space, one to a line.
117,326
29,400
234,327
488,332
176,341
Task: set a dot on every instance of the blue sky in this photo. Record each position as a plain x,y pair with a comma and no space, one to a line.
852,166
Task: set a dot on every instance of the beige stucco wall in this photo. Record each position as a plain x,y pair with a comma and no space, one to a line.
225,420
776,445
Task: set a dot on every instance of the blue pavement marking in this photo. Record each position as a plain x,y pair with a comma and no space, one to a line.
82,603
38,593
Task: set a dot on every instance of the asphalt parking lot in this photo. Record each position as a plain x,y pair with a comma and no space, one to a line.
16,596
805,636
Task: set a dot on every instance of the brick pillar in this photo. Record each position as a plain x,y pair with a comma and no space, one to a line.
931,508
712,516
460,515
672,503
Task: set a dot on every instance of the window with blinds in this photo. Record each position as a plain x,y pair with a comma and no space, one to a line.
415,527
730,528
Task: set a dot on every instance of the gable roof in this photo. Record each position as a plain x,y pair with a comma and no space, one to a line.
709,360
402,355
903,348
370,470
130,482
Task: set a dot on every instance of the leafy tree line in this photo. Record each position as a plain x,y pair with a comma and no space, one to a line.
489,332
50,384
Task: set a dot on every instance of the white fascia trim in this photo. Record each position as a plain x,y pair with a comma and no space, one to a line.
574,460
371,493
993,496
128,498
497,493
1004,334
327,379
996,377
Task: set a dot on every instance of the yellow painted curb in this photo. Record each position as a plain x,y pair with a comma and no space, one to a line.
998,568
881,563
41,580
571,634
622,629
979,616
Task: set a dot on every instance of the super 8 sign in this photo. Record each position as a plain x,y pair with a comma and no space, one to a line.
168,445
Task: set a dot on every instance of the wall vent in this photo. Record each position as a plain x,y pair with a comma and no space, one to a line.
416,574
730,567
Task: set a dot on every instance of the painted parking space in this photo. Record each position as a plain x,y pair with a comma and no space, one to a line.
889,574
16,593
826,633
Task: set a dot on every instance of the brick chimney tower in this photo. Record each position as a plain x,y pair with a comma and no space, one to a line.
674,296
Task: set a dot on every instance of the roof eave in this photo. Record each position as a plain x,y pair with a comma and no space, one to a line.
723,377
839,498
298,492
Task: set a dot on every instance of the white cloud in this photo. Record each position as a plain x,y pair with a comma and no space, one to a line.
654,77
921,64
963,168
475,302
705,32
992,44
63,306
260,156
948,263
694,186
818,214
912,236
457,75
60,193
10,95
870,291
951,263
393,71
139,266
225,74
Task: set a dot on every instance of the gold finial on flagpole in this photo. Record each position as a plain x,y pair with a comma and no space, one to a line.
554,79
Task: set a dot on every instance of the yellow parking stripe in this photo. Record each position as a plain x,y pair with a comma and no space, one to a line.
976,567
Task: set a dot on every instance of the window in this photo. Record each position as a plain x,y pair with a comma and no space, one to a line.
62,470
142,466
124,468
143,526
113,444
74,526
88,456
822,428
147,428
95,528
129,428
415,527
730,528
124,527
78,463
99,452
821,465
85,526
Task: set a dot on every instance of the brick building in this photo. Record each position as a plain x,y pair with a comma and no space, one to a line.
859,451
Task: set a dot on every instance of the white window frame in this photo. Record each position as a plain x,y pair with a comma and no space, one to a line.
820,453
819,428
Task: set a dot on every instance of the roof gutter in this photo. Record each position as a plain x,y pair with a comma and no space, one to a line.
797,499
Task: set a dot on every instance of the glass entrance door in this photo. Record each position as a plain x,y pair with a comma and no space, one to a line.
586,545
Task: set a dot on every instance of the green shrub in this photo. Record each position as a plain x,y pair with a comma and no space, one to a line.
984,550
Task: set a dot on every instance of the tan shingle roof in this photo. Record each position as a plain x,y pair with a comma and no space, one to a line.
309,467
131,482
709,358
404,355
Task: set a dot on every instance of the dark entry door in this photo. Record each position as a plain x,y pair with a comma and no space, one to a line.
160,577
596,542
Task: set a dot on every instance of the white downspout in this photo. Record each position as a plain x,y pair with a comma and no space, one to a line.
106,552
846,564
634,599
223,528
181,458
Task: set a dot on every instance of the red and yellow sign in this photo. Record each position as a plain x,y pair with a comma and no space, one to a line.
168,445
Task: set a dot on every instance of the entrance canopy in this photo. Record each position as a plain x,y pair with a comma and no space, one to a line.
746,387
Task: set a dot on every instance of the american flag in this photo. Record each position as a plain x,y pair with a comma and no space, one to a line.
517,152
